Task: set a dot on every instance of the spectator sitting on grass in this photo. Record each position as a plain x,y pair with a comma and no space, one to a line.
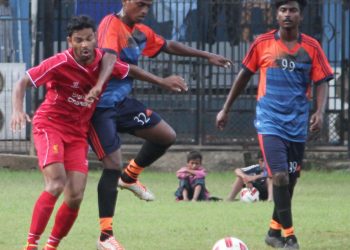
253,176
192,179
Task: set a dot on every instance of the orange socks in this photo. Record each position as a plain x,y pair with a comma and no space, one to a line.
288,232
133,170
106,224
275,225
106,227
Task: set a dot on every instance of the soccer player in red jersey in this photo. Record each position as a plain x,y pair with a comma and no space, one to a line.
289,62
124,36
61,124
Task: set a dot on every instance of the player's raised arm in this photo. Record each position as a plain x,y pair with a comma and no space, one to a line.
173,83
238,86
19,117
108,62
176,48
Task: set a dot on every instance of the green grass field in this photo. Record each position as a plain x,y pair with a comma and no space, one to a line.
321,209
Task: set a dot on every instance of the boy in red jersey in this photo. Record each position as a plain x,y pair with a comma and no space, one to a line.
289,62
123,35
61,124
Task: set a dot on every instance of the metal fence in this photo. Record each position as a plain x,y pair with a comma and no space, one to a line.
227,28
15,51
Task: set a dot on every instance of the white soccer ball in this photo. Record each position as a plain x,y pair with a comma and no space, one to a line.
249,195
230,243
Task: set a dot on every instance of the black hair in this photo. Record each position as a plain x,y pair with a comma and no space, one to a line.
259,156
192,155
80,22
302,3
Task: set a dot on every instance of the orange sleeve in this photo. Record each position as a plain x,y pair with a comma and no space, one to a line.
251,60
321,69
109,34
154,42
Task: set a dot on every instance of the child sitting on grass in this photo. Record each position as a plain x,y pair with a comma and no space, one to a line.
192,179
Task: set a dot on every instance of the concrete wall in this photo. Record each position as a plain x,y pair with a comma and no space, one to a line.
214,159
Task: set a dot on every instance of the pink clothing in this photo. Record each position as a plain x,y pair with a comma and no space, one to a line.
199,173
189,181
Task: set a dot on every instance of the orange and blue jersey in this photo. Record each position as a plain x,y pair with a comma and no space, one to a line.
285,83
128,44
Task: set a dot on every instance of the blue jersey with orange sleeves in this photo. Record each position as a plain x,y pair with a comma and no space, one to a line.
128,44
285,83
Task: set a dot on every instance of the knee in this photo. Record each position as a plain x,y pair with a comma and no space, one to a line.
239,180
200,182
55,186
280,179
171,137
184,183
75,201
75,197
110,162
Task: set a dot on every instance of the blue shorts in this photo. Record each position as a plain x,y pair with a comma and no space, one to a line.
282,155
126,117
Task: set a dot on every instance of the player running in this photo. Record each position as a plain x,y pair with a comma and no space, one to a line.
123,36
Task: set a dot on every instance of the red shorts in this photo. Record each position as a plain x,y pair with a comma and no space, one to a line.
52,147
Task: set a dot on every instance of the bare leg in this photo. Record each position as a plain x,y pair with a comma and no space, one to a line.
269,189
158,139
236,187
55,178
74,189
162,134
196,193
185,195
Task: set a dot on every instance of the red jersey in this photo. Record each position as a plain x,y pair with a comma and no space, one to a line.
67,82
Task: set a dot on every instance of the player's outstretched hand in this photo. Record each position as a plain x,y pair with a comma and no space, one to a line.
174,83
221,119
18,121
93,95
219,60
316,122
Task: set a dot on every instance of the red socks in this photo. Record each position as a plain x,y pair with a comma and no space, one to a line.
42,211
41,214
64,221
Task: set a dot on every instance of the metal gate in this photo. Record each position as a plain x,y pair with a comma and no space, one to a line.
226,27
15,55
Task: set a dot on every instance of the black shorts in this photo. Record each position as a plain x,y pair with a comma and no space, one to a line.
126,117
262,188
282,155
